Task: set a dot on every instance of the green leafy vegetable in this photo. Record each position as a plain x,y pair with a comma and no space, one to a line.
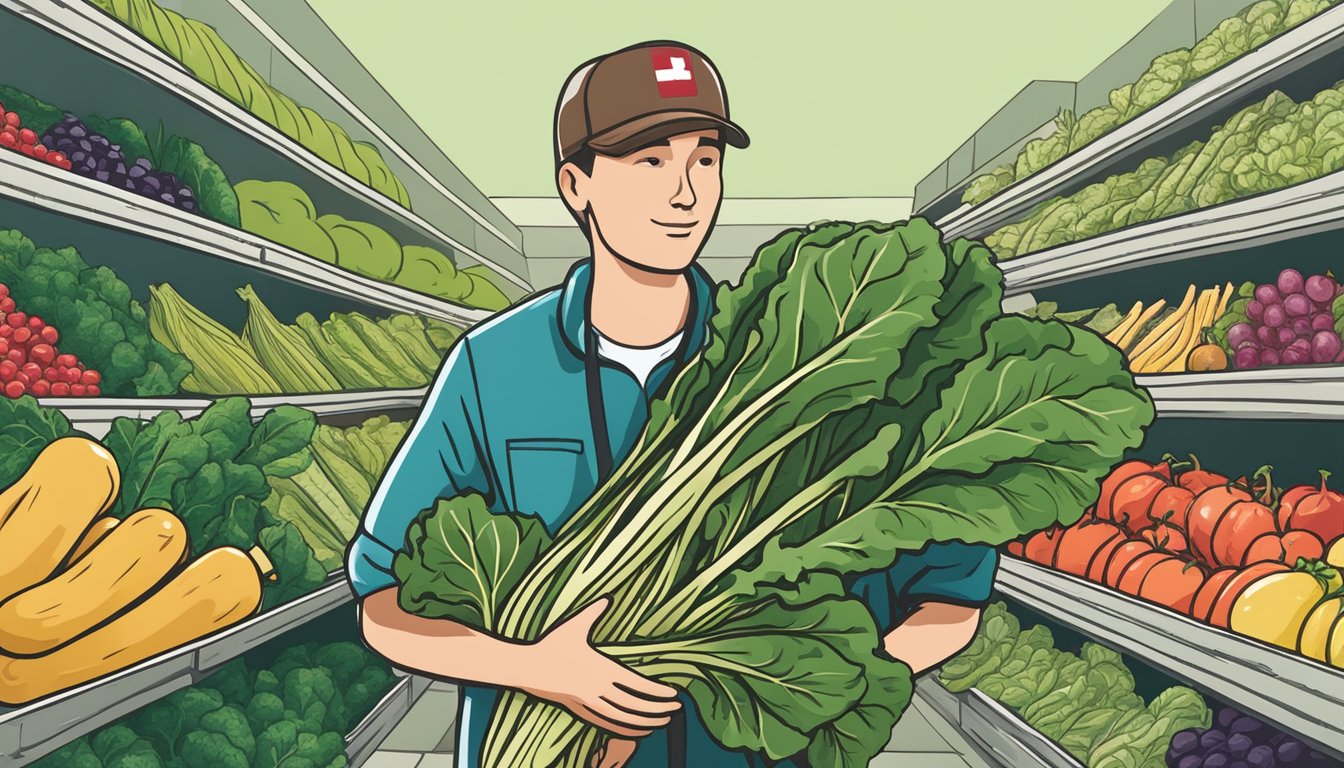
25,429
189,162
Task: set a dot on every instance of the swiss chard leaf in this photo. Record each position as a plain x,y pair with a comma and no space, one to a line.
25,429
461,560
857,736
154,456
279,444
189,162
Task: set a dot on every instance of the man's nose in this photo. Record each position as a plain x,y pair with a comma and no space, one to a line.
684,197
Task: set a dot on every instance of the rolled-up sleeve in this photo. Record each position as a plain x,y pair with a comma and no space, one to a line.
440,456
950,572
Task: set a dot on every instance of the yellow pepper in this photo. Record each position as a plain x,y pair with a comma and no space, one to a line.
1275,608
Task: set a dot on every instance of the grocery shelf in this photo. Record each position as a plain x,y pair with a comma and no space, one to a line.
1000,736
84,26
69,195
1309,392
1293,212
1203,103
1297,694
33,730
364,739
94,415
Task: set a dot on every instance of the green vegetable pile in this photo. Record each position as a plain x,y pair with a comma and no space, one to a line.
293,714
347,351
860,396
1266,146
1085,703
213,472
325,500
25,429
175,154
201,50
1168,74
282,212
1101,321
97,318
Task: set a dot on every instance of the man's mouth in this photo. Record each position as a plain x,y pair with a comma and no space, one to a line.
684,226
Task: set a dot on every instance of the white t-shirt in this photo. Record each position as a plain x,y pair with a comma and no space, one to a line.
639,361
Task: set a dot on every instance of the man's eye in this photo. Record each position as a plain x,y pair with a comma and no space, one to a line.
706,161
653,162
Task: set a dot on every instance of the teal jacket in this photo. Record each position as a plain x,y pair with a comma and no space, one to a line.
508,417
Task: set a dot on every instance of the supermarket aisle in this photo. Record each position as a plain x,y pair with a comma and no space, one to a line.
424,737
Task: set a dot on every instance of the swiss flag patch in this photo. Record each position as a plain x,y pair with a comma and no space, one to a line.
672,72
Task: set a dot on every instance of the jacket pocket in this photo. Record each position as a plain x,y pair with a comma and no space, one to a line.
548,477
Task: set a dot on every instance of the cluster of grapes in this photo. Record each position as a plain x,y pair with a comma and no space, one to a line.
93,156
14,136
30,363
1240,741
1289,322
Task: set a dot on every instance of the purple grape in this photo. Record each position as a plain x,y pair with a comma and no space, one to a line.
1267,336
1297,305
1238,744
1239,333
1189,761
1217,760
1269,357
1246,359
1286,337
1275,316
1238,764
1290,751
1320,289
1184,742
1278,738
1255,310
1211,738
1267,294
1290,281
1301,327
1322,321
1325,347
1261,757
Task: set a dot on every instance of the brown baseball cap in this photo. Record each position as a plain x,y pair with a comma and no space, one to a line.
621,101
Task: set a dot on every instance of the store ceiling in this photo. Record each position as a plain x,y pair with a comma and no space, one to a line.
842,98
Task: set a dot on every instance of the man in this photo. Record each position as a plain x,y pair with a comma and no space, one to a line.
534,407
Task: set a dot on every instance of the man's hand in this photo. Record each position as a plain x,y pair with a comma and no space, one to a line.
565,669
615,754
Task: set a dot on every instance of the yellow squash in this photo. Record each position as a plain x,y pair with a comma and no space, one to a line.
1314,639
95,533
1131,317
1126,339
1334,651
1274,608
46,511
1163,357
1335,554
1164,331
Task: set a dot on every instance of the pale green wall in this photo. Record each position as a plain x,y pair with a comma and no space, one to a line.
841,97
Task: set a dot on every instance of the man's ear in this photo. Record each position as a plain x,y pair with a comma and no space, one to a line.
573,188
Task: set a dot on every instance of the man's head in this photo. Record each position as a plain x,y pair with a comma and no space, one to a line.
639,146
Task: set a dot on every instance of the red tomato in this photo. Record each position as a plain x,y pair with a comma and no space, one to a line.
93,390
1172,582
50,335
7,370
16,319
77,390
41,388
22,335
91,377
42,353
14,389
60,389
72,376
65,360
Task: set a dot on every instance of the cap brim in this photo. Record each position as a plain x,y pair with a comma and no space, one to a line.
642,131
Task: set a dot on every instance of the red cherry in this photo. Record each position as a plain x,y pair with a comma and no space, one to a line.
12,118
23,379
32,370
67,165
8,140
51,374
7,370
72,375
36,323
14,390
6,330
91,377
42,353
26,149
17,356
41,388
78,390
65,361
4,347
22,335
40,151
27,136
49,335
93,390
16,319
6,305
60,389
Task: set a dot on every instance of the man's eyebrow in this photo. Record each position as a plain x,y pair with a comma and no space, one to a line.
709,141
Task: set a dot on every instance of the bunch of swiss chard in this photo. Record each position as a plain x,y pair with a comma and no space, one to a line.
860,395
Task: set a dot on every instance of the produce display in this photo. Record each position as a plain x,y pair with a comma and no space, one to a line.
70,611
290,713
201,50
1293,321
282,212
24,140
1237,554
1084,702
30,361
725,546
1235,739
1168,74
104,334
347,351
1266,146
172,170
326,500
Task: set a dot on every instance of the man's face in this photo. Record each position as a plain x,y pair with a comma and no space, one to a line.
655,206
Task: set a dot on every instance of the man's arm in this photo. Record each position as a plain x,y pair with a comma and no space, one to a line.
933,633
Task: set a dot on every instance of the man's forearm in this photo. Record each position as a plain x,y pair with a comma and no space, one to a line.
934,633
441,647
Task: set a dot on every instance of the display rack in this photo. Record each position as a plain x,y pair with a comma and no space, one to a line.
1297,694
31,731
85,27
364,739
1200,105
1272,393
1000,736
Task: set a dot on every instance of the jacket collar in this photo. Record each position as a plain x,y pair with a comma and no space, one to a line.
573,315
